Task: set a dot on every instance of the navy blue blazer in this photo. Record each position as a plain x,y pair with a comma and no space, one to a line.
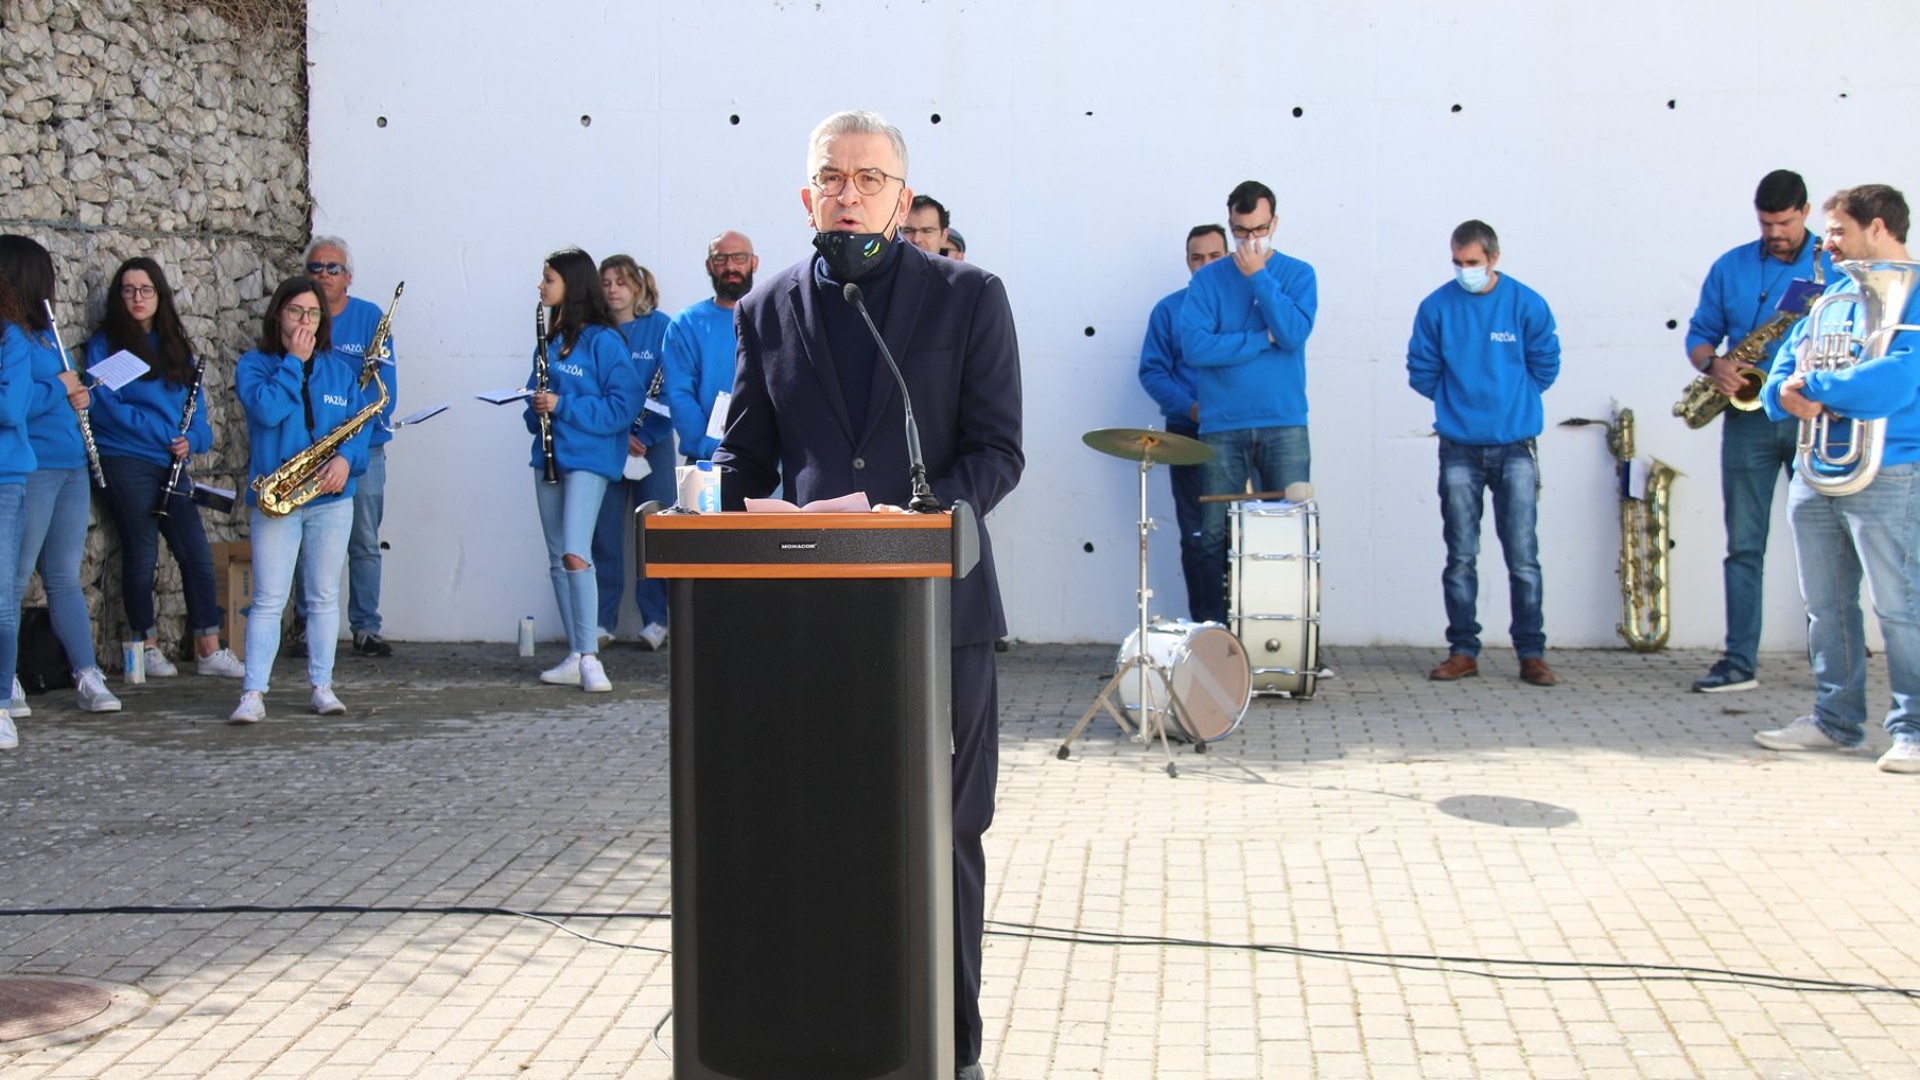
950,329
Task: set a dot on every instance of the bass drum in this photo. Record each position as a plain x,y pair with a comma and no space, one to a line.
1208,669
1274,594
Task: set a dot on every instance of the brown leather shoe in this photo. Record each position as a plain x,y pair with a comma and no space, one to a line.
1534,670
1456,666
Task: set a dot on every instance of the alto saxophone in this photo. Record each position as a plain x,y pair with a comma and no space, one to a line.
1703,401
297,481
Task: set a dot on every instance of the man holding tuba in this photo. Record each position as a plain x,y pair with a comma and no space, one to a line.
1875,527
1738,305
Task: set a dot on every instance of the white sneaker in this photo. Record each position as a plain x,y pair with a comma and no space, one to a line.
566,673
1802,734
325,703
158,666
222,663
593,677
251,710
653,636
90,689
9,735
18,707
601,635
1903,757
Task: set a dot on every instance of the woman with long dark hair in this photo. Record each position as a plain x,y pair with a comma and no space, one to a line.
53,532
137,428
297,390
21,276
593,396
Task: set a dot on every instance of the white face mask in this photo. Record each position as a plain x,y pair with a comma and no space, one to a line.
1257,245
1472,278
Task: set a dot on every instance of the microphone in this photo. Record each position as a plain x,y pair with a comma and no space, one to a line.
923,501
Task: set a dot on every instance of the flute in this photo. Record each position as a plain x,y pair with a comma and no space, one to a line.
86,422
172,484
550,471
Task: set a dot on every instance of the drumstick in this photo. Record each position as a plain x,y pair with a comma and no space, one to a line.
1244,496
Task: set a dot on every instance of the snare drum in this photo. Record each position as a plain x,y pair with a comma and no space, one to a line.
1208,669
1274,595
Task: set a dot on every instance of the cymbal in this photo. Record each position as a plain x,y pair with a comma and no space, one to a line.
1144,444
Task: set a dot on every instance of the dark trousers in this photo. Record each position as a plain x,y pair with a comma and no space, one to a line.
132,493
1189,483
976,769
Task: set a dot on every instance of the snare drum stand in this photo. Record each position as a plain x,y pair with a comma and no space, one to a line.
1152,718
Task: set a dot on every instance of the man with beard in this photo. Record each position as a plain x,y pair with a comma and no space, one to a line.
699,348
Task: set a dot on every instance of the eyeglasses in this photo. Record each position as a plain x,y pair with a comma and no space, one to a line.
927,233
831,182
329,269
1242,234
303,314
730,258
136,292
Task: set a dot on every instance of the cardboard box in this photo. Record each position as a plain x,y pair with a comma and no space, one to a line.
233,590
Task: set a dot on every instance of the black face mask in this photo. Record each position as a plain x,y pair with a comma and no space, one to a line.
851,256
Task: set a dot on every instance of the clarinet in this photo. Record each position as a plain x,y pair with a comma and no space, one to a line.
550,471
86,422
174,475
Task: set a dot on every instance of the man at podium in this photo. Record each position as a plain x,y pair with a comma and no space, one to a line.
815,402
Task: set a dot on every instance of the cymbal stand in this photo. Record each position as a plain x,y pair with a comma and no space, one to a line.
1152,718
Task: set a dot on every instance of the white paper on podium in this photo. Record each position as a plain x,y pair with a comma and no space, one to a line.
855,503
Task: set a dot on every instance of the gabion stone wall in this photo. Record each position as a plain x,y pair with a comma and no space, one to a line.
176,131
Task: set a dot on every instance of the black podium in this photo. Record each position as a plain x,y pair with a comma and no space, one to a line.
812,768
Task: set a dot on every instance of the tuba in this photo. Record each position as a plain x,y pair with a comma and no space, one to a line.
1844,468
297,481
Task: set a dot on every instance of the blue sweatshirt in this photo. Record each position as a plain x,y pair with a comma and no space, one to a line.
141,419
700,354
273,390
1884,389
1242,378
52,425
1744,287
1484,359
1162,374
16,450
600,395
646,340
352,333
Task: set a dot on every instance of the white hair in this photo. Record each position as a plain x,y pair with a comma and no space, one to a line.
854,122
318,242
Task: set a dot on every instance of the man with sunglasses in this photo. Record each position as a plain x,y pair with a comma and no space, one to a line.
815,404
698,351
329,262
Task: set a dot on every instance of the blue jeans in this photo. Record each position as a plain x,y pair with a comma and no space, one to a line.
1189,483
609,541
53,537
1837,539
133,491
317,535
1755,453
363,544
13,512
1512,471
1272,458
569,510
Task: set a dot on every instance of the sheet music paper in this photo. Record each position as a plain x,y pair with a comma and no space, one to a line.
637,467
118,370
502,397
423,415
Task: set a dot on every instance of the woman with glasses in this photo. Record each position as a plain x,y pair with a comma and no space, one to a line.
138,430
26,276
296,390
634,300
53,529
592,397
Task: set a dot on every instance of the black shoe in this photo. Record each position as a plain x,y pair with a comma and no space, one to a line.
1723,677
368,643
294,641
970,1072
1002,645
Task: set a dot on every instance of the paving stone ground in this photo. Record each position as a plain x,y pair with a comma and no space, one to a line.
1396,878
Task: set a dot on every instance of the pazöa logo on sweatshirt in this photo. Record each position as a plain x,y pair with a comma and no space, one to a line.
1506,336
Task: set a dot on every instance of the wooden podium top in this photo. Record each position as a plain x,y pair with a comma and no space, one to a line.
775,545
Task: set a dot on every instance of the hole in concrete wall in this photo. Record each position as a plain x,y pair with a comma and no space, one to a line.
379,121
1456,108
1673,324
586,121
734,119
935,118
1089,331
1087,547
1298,112
1090,111
1672,103
1843,95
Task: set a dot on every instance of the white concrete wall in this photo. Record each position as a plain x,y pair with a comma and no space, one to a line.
1614,146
